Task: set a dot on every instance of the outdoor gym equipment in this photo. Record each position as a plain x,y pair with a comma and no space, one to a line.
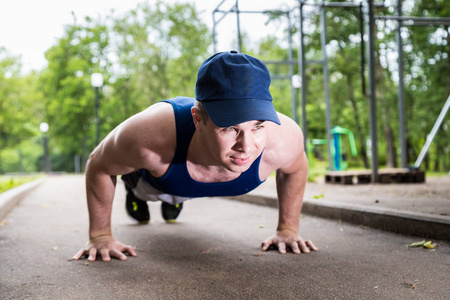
367,17
430,137
340,157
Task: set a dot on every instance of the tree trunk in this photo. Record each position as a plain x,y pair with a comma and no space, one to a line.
436,159
385,117
411,152
426,159
448,60
391,161
358,123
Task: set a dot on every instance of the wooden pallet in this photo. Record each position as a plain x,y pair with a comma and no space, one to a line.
384,176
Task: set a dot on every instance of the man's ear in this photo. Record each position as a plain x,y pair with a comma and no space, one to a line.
196,116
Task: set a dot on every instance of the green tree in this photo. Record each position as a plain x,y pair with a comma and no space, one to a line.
159,48
269,50
147,55
427,65
20,109
66,86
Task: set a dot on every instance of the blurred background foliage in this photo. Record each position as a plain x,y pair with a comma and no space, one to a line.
153,52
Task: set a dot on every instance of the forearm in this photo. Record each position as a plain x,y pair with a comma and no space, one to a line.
290,189
100,190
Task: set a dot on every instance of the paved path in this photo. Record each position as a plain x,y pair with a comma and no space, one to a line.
413,209
211,253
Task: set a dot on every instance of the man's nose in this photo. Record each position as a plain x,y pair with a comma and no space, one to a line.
243,142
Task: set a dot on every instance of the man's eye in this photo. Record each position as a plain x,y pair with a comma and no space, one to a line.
230,129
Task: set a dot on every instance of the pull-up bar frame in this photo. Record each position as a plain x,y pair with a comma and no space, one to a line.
371,18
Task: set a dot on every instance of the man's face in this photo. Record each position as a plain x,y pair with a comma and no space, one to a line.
235,147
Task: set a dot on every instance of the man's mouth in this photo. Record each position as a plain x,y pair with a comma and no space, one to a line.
240,161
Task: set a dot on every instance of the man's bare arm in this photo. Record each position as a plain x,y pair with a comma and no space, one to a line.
125,149
291,182
100,189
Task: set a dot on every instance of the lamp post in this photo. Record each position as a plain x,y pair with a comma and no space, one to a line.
97,83
43,127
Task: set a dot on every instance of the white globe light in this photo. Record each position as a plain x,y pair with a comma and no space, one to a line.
43,127
97,80
296,81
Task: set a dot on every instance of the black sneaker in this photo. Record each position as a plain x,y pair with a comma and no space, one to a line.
170,212
136,208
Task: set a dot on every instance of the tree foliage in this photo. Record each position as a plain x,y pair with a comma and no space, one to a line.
427,79
153,52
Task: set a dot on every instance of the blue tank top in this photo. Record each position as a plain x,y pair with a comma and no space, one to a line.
177,180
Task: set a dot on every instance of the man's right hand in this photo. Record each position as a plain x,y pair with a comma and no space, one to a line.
106,247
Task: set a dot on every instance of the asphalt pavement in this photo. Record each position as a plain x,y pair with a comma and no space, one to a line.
212,252
418,209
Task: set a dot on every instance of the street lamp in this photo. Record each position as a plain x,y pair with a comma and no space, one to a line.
296,81
97,83
43,127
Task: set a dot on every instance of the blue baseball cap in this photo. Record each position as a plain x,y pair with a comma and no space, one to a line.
234,88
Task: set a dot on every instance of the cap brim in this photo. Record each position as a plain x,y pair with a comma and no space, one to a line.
225,113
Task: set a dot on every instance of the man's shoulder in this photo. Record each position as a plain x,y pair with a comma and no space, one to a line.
151,129
288,132
157,122
285,142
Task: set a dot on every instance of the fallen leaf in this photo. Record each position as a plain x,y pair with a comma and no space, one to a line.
416,244
429,245
422,244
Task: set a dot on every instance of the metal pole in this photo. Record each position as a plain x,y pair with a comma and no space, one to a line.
238,27
426,20
214,31
372,97
291,73
84,151
76,162
338,4
323,36
46,155
97,118
401,101
363,51
433,132
301,67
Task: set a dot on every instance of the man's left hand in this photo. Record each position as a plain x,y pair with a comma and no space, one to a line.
285,238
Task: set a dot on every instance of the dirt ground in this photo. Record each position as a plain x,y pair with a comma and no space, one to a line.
431,197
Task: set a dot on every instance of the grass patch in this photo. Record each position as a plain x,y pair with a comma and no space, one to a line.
436,174
9,182
317,169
